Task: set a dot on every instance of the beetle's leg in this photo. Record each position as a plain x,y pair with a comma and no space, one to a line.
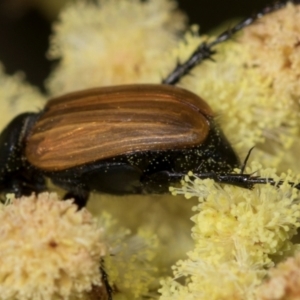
271,181
23,188
205,51
75,189
105,281
103,291
246,181
23,182
243,180
80,197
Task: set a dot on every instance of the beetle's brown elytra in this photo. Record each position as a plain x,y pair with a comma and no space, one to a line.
111,121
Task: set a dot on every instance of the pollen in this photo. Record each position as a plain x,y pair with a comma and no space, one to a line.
238,235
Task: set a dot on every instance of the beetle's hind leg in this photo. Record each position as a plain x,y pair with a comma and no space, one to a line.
205,50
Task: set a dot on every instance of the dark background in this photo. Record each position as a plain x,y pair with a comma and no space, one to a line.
24,30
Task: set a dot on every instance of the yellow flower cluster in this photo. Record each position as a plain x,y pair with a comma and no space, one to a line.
16,97
113,42
238,235
49,249
130,263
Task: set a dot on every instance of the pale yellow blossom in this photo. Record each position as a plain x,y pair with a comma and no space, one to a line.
113,42
49,249
130,263
238,235
17,96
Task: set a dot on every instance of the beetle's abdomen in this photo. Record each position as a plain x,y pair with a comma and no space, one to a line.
102,123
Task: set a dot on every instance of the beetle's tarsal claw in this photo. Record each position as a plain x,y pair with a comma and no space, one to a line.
203,52
246,160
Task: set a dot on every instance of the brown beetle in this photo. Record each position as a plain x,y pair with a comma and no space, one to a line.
122,139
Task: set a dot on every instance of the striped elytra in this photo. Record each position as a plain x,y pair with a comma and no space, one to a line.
101,123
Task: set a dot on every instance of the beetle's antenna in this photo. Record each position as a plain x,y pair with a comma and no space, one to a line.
205,51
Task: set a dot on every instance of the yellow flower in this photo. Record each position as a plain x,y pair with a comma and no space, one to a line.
238,235
113,42
49,250
17,96
130,263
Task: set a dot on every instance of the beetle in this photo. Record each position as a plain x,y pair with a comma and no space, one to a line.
129,139
121,140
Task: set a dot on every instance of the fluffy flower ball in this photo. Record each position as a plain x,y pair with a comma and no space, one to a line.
49,249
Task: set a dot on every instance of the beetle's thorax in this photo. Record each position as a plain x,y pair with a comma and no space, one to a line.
12,144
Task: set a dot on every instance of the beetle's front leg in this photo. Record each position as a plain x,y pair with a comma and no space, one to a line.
75,190
80,197
24,184
160,182
20,188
